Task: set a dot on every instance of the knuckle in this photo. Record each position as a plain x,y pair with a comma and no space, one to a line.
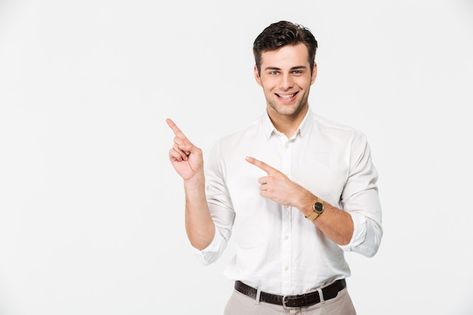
176,151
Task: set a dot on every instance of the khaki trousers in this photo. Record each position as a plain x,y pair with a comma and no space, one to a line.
240,304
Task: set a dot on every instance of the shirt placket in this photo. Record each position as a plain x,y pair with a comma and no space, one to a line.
286,233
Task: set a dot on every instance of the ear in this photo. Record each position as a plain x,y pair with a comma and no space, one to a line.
314,74
257,76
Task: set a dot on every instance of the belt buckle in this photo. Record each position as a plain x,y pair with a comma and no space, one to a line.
284,301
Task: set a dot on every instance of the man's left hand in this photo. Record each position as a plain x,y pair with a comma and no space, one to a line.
278,187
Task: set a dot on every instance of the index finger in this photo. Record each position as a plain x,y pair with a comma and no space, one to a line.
174,128
265,167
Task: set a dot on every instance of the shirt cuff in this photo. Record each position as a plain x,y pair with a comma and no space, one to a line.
359,232
211,252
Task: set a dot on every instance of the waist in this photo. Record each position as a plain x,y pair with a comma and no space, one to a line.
291,282
301,300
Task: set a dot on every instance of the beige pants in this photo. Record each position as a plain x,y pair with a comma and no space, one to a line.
240,304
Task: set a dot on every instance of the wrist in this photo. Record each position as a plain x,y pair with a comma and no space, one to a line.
305,202
196,180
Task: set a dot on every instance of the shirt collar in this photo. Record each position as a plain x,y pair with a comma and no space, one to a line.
304,127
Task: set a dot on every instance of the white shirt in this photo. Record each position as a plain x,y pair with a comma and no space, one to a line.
277,248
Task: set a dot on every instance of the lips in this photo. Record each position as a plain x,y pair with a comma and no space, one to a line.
286,97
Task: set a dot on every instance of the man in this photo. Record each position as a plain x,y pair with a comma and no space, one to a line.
295,190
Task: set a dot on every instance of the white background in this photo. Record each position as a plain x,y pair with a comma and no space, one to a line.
91,210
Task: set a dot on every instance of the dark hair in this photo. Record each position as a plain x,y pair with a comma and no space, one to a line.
284,33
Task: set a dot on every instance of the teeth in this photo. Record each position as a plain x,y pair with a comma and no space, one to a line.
286,96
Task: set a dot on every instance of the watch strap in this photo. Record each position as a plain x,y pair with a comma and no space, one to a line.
312,216
314,213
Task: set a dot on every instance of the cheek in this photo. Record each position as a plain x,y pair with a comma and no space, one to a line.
269,83
268,88
304,82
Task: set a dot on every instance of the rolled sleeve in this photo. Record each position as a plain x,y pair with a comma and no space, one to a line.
361,200
220,207
212,251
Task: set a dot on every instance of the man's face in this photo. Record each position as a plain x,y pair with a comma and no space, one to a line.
286,78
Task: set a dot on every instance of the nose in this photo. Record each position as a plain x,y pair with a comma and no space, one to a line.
286,81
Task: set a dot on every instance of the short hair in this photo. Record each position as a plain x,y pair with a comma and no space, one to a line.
284,33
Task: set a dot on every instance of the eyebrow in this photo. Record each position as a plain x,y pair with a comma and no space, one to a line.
293,68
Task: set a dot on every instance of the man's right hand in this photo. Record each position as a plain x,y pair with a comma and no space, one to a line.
186,158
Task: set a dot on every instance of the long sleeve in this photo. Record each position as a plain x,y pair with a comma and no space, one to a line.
220,207
360,199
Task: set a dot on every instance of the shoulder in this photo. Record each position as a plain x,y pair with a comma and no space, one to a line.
241,135
338,131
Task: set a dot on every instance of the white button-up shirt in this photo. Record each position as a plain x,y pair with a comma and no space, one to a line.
277,249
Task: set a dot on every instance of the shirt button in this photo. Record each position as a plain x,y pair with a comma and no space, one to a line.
286,237
286,268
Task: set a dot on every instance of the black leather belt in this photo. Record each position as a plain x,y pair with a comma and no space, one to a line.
307,299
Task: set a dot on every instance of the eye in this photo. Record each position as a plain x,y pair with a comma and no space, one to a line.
273,72
297,72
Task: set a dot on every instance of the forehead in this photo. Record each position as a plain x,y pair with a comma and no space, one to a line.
286,57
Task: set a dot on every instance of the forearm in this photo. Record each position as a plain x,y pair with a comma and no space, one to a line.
200,228
335,223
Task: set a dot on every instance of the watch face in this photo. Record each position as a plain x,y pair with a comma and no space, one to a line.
318,206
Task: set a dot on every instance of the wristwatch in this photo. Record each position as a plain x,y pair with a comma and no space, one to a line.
317,210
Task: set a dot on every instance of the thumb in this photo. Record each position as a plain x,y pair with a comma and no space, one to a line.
189,148
186,146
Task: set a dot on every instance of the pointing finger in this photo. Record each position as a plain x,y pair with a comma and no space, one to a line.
265,167
174,128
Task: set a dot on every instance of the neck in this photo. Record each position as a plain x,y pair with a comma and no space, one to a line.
287,124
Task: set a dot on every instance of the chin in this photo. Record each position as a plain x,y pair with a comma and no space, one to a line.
289,111
286,109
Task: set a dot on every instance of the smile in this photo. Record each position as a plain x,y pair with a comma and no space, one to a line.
286,98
